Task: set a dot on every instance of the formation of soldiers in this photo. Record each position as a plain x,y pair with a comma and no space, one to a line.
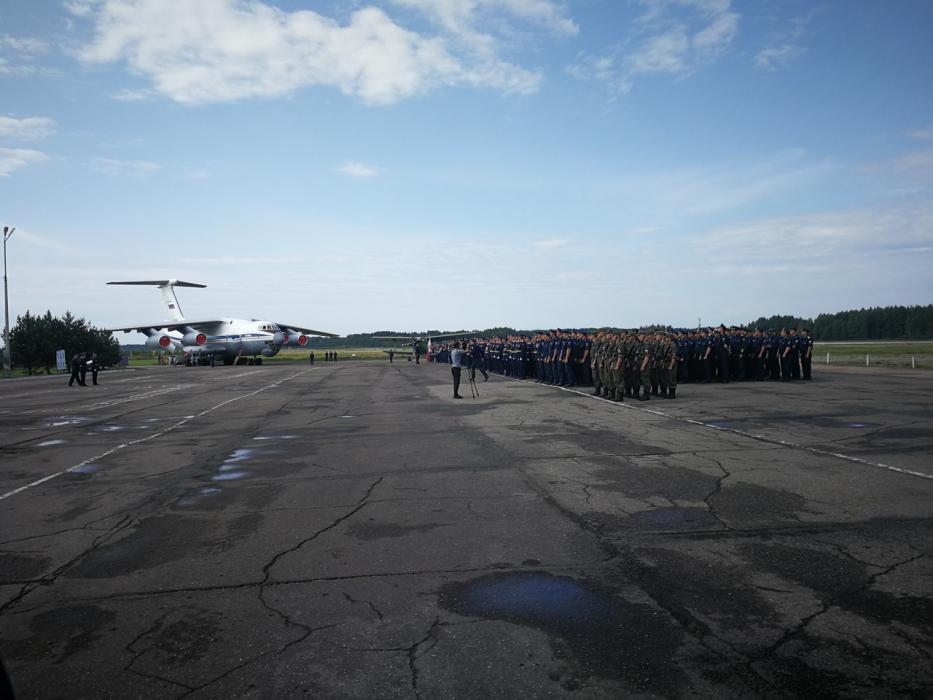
640,364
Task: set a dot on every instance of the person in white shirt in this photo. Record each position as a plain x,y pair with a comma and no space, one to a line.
456,365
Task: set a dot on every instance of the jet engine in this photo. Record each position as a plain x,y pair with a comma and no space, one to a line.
280,338
296,339
158,341
193,337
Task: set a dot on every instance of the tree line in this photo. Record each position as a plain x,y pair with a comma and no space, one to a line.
875,323
34,341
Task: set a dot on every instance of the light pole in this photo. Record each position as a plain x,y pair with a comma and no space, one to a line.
7,355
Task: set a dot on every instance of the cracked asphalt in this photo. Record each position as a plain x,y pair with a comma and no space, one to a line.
349,530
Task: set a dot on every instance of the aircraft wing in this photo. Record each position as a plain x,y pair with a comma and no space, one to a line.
201,325
307,331
450,335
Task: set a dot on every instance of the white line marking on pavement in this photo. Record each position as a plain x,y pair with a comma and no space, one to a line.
169,429
735,431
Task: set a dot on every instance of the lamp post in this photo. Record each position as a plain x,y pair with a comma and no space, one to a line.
7,355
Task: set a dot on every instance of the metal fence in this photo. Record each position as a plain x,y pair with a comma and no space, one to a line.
850,359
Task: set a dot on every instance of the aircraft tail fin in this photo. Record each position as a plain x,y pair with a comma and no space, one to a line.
168,294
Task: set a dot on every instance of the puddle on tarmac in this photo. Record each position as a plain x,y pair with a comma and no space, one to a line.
275,437
864,425
86,469
238,456
230,476
111,429
60,421
49,443
198,496
606,635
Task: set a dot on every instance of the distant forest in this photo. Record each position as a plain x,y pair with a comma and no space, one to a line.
881,323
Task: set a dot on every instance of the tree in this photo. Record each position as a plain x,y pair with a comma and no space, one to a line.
35,340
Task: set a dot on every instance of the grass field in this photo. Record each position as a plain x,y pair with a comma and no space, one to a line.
917,354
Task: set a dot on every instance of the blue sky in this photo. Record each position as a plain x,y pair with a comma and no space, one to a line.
436,164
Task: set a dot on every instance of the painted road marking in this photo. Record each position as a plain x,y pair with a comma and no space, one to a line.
131,443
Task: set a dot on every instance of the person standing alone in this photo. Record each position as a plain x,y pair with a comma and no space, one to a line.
456,365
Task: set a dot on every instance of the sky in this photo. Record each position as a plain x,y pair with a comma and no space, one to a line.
367,165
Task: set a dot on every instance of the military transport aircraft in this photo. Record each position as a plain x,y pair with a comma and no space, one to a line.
226,338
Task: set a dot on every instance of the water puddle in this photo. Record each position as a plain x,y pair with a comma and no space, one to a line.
61,421
230,476
606,635
198,496
86,469
49,443
275,437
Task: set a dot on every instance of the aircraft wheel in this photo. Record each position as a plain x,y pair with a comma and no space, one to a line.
258,360
249,362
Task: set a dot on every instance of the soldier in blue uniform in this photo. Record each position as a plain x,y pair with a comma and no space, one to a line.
806,353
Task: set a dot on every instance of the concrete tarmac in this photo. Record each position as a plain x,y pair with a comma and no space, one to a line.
351,531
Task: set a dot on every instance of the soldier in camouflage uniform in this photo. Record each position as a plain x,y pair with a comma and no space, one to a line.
646,353
596,363
632,364
672,368
618,367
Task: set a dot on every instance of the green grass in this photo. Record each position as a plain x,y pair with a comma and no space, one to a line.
892,354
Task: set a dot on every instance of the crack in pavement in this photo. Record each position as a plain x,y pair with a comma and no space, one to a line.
804,622
49,578
372,607
413,654
716,489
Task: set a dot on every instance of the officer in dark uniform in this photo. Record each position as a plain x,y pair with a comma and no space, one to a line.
806,353
77,363
94,367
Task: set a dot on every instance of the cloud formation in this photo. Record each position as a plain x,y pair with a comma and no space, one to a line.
224,50
670,37
124,168
12,159
354,169
28,129
18,56
784,46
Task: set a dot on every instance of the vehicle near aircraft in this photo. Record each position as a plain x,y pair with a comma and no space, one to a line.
229,339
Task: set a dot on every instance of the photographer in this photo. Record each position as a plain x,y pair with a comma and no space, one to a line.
456,365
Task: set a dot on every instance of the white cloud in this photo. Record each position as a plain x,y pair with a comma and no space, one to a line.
831,242
775,57
922,134
670,37
22,45
550,244
44,242
124,168
222,50
12,159
784,45
18,56
127,95
27,129
354,169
